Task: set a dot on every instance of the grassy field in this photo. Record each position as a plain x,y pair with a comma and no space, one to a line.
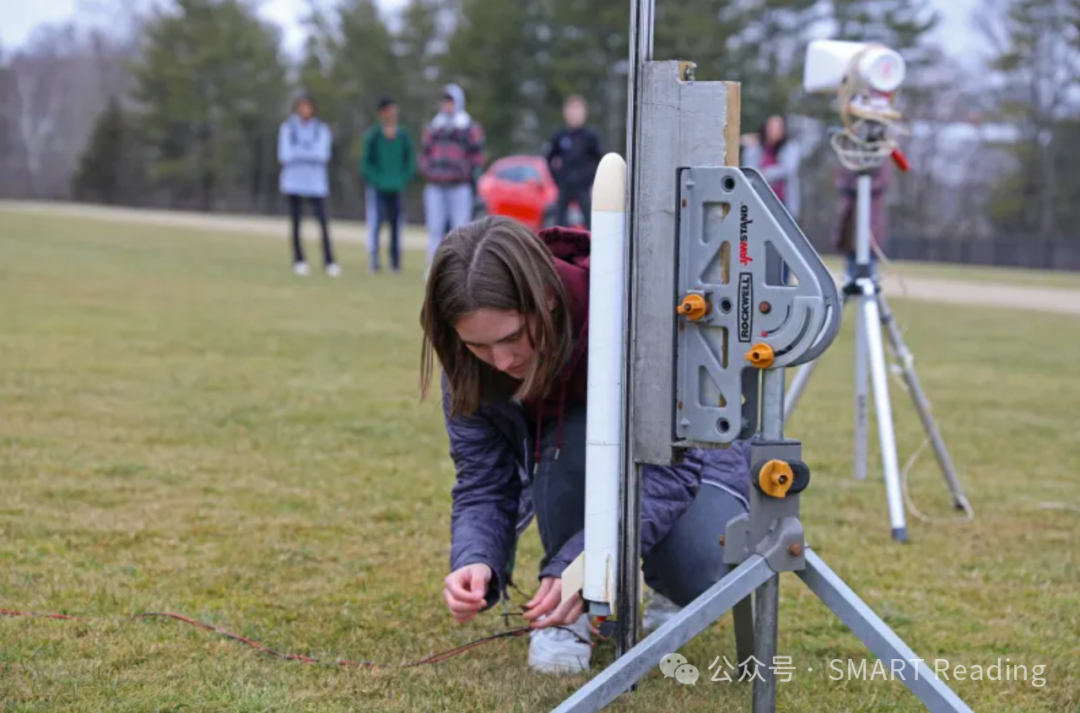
187,427
1056,279
416,236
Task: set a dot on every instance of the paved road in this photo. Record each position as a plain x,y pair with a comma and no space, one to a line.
986,294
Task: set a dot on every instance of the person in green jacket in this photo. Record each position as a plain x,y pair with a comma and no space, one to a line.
387,164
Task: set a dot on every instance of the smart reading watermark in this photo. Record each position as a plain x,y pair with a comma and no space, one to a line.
676,666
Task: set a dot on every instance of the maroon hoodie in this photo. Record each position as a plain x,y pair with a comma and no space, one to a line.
571,250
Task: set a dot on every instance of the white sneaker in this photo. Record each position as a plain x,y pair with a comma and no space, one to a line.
658,611
557,650
333,270
301,269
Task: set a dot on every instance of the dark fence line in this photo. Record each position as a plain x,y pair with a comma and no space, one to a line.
1018,251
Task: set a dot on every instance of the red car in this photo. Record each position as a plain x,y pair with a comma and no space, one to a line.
521,187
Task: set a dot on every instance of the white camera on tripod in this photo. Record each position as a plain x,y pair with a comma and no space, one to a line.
865,75
873,67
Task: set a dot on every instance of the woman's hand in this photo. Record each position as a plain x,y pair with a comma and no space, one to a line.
464,591
547,601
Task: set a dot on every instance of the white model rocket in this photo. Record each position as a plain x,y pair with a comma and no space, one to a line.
594,573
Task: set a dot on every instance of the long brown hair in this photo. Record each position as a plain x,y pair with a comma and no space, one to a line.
495,263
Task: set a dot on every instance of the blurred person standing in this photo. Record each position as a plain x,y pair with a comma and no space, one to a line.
388,165
452,155
573,153
772,152
304,146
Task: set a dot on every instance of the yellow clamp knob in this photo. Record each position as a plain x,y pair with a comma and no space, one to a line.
693,307
776,478
760,355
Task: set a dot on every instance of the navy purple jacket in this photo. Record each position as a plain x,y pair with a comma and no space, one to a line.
494,452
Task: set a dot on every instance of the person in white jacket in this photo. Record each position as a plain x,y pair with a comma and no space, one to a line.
304,145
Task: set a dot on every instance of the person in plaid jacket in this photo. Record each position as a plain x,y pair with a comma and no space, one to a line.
451,158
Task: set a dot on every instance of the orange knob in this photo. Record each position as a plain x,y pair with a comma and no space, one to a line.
761,356
693,307
776,478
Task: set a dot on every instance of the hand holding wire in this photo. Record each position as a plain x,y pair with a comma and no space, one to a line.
546,608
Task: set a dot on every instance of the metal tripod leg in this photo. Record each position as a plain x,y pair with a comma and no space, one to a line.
802,377
798,385
879,638
744,628
876,351
922,405
862,386
766,624
688,623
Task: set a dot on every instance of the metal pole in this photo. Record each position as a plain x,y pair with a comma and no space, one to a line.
922,404
862,221
862,394
772,404
862,276
629,591
766,614
798,385
883,404
767,597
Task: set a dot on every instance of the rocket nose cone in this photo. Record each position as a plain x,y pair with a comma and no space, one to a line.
609,188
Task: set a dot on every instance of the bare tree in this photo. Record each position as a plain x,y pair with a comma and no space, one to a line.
33,103
53,90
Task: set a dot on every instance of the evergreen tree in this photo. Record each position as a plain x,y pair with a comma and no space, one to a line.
212,87
349,63
111,169
1038,60
901,24
417,47
492,56
759,43
584,48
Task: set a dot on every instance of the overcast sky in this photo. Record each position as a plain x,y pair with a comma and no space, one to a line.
19,17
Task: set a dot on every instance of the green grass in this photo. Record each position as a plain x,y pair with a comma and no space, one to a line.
186,426
1020,277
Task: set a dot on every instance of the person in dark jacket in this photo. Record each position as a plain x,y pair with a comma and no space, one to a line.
573,154
506,315
388,165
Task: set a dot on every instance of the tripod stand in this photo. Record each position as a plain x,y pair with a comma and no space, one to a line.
872,314
785,325
764,544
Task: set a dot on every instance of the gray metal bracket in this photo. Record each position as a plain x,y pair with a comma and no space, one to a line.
733,237
772,529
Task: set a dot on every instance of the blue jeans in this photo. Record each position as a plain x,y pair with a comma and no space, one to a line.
445,204
387,210
682,566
